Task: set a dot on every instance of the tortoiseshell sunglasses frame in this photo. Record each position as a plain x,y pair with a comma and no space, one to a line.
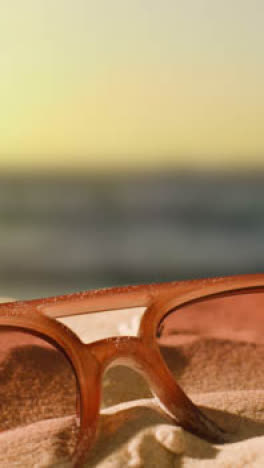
141,353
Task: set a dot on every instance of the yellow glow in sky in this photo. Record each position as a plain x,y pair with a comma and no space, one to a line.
120,83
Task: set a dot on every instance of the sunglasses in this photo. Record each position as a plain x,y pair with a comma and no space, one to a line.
66,374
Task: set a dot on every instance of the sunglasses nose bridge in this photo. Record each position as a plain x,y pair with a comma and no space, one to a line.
134,353
116,350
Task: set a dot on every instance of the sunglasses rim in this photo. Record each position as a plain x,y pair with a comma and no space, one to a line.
168,306
89,361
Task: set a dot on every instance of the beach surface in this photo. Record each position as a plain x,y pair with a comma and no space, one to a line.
220,368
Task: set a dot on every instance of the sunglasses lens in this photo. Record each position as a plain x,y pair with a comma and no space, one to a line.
38,401
216,344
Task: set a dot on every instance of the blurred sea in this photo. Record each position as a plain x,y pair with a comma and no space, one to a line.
61,234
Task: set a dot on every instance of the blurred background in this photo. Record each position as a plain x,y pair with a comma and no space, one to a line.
131,142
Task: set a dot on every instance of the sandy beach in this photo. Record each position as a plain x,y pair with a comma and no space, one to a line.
220,369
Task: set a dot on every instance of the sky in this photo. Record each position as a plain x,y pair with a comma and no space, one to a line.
131,83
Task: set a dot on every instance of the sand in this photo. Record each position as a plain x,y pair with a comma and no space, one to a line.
220,371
